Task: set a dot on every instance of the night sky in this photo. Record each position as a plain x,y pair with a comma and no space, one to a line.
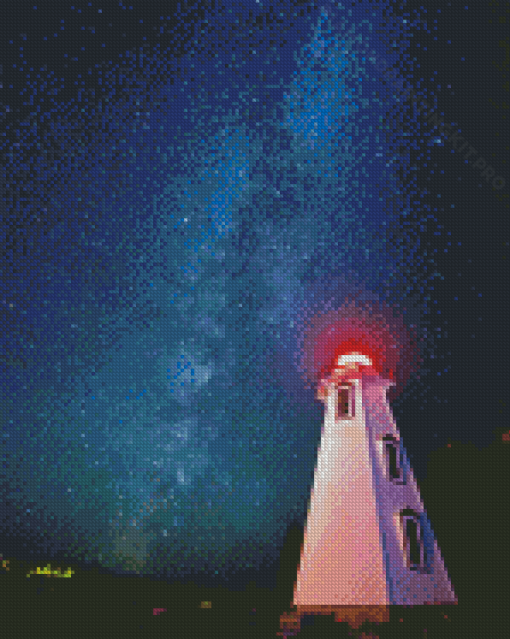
184,189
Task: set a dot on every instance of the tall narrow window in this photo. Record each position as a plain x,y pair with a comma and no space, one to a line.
413,540
392,459
345,406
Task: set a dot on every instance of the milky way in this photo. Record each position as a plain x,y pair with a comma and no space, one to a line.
206,224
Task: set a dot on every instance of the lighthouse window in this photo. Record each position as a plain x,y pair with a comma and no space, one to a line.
345,402
414,547
392,459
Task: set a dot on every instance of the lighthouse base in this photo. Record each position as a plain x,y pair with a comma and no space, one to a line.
290,622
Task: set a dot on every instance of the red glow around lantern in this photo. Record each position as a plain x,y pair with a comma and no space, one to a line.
357,324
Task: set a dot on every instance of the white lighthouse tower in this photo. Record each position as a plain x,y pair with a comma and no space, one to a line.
368,543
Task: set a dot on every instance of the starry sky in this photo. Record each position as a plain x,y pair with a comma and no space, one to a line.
185,189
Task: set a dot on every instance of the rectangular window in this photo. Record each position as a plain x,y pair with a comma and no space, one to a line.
345,405
413,541
414,549
392,459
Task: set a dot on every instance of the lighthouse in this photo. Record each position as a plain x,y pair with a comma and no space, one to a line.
368,543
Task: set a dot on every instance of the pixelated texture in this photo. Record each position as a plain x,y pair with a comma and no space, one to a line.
357,550
189,217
